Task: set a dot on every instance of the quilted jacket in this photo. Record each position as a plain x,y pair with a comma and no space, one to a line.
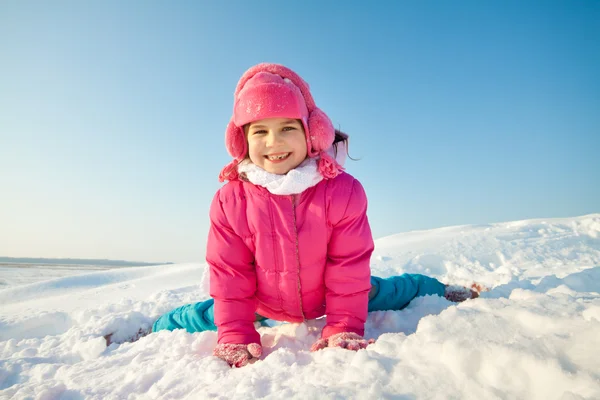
289,258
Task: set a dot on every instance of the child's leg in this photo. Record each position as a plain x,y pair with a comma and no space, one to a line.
394,293
197,317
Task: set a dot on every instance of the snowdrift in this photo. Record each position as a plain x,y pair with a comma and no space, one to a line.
534,335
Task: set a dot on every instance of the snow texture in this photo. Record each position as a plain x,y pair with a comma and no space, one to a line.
534,335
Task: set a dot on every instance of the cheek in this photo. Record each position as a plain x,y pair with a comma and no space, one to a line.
304,152
251,149
253,145
302,145
256,150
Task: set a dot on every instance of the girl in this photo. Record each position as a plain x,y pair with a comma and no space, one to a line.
289,237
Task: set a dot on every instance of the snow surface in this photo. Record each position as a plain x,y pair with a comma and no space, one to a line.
534,335
18,275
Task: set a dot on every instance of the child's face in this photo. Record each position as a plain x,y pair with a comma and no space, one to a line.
277,145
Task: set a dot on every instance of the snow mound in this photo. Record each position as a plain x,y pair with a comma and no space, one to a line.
531,336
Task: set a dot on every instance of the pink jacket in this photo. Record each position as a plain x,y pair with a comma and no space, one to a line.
289,258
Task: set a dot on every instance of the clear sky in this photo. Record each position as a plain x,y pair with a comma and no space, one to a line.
112,113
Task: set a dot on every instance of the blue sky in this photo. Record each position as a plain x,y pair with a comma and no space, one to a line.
112,114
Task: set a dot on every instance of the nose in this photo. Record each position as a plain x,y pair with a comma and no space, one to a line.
273,139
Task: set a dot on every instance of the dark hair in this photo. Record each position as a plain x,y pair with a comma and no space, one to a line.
341,137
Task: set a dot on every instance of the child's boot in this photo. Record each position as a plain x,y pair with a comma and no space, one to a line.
459,294
143,331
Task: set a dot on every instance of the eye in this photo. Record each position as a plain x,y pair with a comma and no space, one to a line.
290,128
259,132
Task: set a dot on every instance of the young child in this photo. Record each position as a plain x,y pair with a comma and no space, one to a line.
289,237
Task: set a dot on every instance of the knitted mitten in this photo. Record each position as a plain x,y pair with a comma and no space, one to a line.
237,355
345,340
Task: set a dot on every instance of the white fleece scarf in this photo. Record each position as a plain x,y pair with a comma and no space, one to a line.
296,181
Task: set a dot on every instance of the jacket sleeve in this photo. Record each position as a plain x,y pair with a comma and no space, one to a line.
348,270
232,280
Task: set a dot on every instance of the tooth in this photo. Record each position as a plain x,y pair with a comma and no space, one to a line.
280,157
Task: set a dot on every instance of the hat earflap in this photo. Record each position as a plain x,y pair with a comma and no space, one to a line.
321,136
321,132
235,141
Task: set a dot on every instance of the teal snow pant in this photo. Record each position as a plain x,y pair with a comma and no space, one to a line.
392,293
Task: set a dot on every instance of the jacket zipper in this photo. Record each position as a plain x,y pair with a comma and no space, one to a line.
293,199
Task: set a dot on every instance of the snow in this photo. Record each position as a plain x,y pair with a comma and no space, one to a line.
14,275
534,335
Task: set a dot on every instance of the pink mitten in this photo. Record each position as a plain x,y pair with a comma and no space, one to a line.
346,340
237,355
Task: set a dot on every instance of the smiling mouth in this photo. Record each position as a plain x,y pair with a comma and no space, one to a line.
278,157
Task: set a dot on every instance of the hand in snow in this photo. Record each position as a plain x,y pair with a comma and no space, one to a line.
237,355
345,340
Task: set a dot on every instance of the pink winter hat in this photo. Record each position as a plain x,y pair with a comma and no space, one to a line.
274,91
267,95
